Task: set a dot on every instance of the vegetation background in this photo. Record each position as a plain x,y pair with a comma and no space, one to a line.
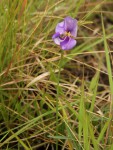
48,100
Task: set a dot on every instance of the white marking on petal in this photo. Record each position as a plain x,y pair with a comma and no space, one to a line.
57,41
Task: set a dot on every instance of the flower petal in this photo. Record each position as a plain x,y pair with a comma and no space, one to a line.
57,39
74,31
70,25
64,42
55,35
60,28
68,43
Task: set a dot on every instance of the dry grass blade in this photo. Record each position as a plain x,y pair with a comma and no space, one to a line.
40,77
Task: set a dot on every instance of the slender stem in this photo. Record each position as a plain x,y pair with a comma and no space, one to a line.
58,94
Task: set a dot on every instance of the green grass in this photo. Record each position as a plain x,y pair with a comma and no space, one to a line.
52,99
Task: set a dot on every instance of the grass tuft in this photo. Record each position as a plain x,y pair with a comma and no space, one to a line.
52,99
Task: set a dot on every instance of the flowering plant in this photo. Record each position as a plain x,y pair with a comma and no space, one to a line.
65,33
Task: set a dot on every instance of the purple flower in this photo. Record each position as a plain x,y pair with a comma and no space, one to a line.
65,33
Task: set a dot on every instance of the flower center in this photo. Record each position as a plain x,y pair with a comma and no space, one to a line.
67,34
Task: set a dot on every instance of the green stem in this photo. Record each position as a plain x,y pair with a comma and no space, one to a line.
57,98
